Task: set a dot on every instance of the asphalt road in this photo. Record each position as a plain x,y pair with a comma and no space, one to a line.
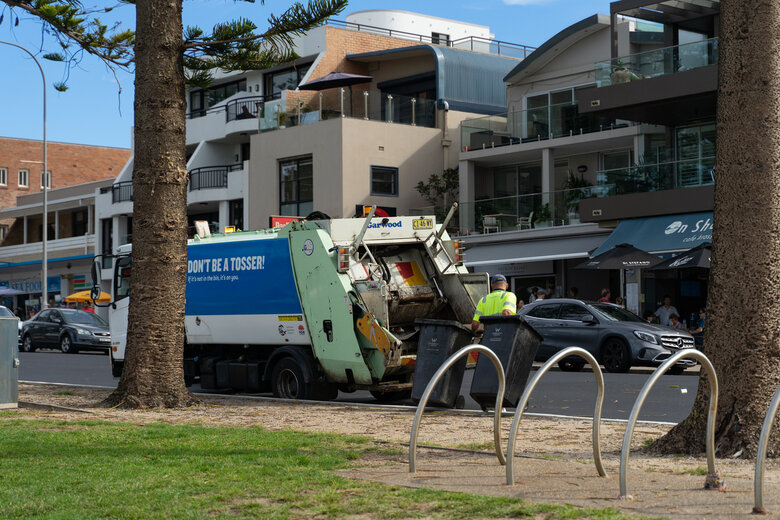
559,393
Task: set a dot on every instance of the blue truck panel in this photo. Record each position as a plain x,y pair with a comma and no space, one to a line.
241,278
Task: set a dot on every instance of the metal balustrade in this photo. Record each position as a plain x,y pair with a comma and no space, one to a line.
210,177
122,192
713,480
763,442
432,384
571,351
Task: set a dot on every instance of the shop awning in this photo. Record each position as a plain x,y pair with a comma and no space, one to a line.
533,250
657,235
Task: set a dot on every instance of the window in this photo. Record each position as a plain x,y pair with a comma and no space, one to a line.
286,79
48,180
79,223
236,213
384,181
107,241
3,176
569,311
202,100
296,187
545,311
24,178
3,232
440,38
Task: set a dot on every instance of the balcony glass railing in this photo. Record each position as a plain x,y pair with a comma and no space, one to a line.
335,103
537,124
657,62
656,177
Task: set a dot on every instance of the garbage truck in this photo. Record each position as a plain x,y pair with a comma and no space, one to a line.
312,308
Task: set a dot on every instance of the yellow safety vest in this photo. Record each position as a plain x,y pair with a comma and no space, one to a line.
495,303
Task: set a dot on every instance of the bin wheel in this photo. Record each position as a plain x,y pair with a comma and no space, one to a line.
570,366
288,380
615,356
460,402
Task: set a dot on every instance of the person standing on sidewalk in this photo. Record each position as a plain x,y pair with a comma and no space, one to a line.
666,310
499,301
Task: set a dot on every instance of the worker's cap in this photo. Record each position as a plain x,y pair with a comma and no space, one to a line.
497,278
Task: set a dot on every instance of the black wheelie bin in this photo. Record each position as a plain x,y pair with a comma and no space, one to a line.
439,339
515,343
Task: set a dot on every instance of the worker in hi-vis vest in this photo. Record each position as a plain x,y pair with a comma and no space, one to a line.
499,301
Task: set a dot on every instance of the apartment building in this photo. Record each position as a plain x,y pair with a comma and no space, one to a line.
262,147
591,142
75,172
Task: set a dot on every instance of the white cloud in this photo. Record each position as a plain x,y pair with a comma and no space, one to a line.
527,2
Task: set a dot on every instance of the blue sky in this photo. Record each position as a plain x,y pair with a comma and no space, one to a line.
93,111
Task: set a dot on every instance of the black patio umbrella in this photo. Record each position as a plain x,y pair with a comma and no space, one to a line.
698,256
336,79
622,256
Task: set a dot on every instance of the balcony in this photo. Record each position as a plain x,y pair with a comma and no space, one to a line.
658,62
662,176
335,103
537,124
211,177
80,245
669,86
122,192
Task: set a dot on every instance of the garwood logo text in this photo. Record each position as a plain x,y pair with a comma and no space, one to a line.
385,225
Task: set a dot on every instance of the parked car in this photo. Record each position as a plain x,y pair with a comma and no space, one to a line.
5,312
618,338
67,329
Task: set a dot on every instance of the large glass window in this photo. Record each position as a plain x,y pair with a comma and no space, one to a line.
384,181
296,187
201,100
696,155
286,79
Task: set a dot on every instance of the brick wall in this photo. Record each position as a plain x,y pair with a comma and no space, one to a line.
70,164
339,43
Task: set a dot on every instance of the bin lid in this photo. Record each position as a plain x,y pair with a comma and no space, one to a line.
498,318
442,323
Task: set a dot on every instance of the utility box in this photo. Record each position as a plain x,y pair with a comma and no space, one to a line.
515,343
9,362
439,339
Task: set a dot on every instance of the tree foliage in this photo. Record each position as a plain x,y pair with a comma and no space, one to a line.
228,46
440,189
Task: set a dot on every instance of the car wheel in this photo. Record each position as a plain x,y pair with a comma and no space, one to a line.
27,344
66,345
288,380
615,355
570,366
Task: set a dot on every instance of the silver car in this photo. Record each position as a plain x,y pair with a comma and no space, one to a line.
619,339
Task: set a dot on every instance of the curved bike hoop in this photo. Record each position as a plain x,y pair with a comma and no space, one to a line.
435,379
571,351
713,479
763,441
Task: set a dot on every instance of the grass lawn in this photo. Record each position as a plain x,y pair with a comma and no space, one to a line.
95,469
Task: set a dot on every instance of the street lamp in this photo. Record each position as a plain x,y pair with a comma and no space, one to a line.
44,179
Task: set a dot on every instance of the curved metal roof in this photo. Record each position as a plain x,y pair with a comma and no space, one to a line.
468,81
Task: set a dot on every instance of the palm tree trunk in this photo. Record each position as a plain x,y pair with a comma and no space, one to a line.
153,373
742,337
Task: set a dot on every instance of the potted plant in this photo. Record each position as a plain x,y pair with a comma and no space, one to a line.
620,73
576,190
543,215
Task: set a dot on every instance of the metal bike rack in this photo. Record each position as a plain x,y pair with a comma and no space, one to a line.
713,479
763,441
435,379
571,351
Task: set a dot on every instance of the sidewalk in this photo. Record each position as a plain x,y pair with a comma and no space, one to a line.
657,490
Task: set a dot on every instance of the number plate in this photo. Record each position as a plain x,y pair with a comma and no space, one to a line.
422,223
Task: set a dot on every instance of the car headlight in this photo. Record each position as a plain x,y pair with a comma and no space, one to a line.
645,336
83,332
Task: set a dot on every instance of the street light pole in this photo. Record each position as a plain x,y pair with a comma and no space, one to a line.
44,179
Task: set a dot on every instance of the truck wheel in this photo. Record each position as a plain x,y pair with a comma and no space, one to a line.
116,368
288,381
66,345
27,344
